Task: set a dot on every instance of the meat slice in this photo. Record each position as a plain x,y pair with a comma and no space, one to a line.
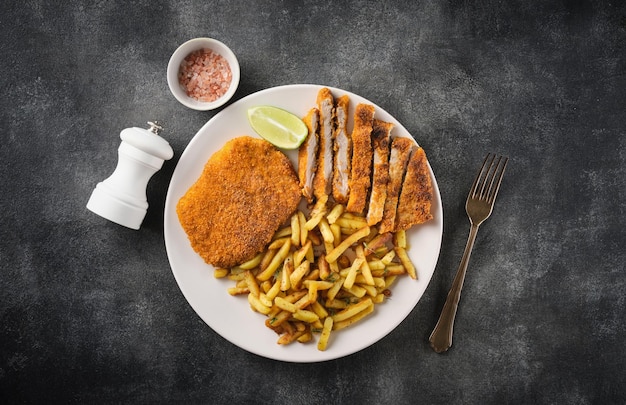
361,158
417,193
322,184
343,152
398,158
381,134
307,155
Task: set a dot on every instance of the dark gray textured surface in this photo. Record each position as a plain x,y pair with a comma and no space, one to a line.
90,311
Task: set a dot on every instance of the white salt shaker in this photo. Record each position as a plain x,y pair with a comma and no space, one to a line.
122,197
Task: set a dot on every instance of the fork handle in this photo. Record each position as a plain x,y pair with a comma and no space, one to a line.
441,337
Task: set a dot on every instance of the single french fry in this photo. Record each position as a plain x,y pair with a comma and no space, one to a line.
304,301
387,258
288,338
274,290
278,243
252,263
346,243
282,233
238,290
322,343
336,230
319,285
365,268
348,231
351,276
335,213
319,310
324,267
354,319
327,233
285,278
257,305
352,310
285,305
406,262
334,290
267,258
395,270
305,316
303,231
300,254
295,230
276,261
220,273
312,296
295,296
399,239
253,286
348,223
299,273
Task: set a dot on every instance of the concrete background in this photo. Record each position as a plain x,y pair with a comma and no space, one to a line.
90,311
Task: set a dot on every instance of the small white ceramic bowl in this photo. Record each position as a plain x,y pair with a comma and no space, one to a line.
181,53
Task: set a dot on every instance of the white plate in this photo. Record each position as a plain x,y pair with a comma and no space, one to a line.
230,316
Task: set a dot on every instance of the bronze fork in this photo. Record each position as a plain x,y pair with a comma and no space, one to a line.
479,205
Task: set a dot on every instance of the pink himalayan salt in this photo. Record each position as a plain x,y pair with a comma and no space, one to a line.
205,75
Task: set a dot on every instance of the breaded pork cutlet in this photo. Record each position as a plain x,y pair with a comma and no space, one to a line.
246,191
417,193
401,148
361,158
343,151
381,137
307,155
324,176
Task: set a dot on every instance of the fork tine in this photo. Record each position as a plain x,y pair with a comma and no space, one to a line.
484,189
494,186
478,181
490,176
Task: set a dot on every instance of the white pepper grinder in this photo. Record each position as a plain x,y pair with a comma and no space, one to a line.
121,198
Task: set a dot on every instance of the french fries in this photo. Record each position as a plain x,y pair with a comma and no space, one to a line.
321,273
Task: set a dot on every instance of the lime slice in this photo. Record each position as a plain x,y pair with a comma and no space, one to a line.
277,126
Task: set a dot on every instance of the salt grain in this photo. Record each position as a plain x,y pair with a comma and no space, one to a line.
205,75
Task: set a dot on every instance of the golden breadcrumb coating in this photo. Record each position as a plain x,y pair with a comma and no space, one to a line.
417,193
361,158
246,191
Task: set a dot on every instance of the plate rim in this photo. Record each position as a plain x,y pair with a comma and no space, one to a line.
169,210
